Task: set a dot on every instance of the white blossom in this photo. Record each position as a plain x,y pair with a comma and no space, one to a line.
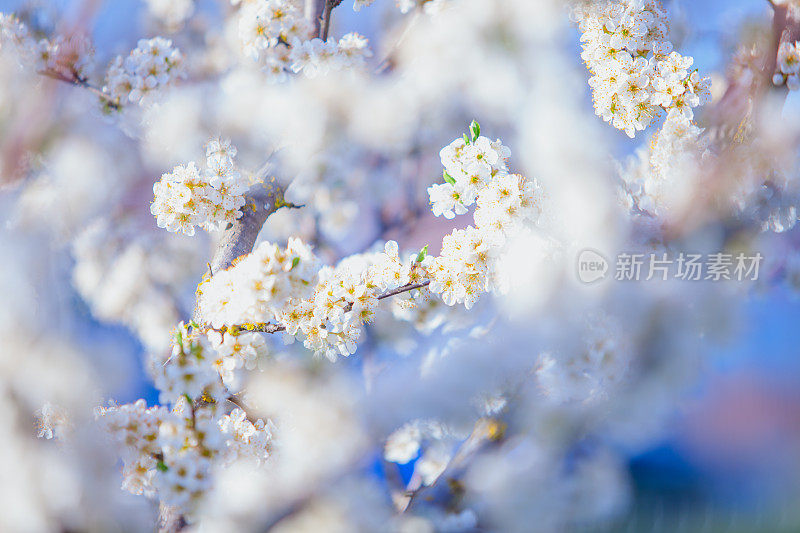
153,64
185,198
635,73
788,66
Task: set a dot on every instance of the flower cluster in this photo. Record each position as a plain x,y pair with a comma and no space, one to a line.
154,63
345,299
317,57
788,66
276,33
678,135
67,57
12,29
286,290
166,454
185,198
135,428
476,172
256,289
656,180
766,194
170,454
635,73
469,166
191,369
590,373
189,441
236,351
245,439
328,321
265,23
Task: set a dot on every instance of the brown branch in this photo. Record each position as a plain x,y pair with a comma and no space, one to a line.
785,29
170,520
730,122
326,21
313,12
237,402
318,12
241,405
77,81
326,18
740,101
239,237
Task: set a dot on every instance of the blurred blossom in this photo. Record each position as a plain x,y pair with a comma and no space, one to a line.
333,248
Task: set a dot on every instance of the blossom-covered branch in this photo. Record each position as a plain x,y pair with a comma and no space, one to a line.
152,65
276,289
496,388
777,67
275,328
636,74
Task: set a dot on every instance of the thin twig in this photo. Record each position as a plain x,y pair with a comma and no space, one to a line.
404,288
77,81
241,405
386,63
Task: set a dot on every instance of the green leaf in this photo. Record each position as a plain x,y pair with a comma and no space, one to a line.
295,262
422,254
466,139
161,466
475,130
448,178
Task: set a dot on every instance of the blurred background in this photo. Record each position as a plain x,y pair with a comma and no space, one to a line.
729,456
